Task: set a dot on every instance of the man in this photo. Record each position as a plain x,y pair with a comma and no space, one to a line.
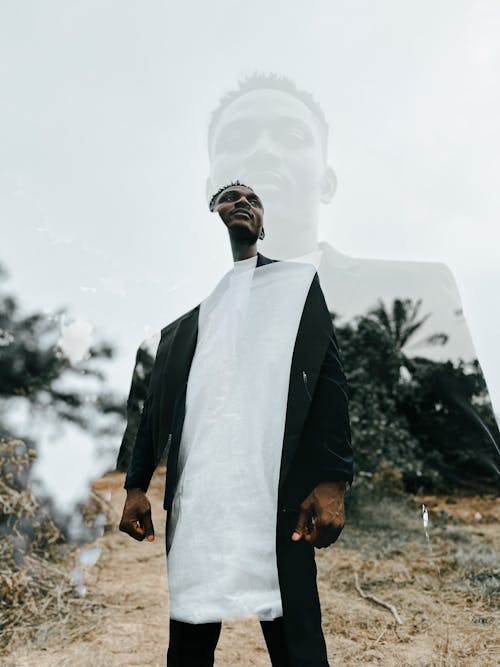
250,387
270,133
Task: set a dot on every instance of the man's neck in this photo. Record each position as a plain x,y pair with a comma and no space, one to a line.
242,250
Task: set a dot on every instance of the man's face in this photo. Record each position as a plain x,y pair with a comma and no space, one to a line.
270,139
241,211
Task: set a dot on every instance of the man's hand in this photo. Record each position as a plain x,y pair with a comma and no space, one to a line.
321,516
136,518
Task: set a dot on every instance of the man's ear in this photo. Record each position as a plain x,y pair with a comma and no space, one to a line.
328,185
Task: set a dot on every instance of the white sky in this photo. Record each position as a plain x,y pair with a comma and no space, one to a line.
104,110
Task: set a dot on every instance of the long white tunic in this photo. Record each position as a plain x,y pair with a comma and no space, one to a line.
222,533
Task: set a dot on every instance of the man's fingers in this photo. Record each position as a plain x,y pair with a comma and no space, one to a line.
301,527
320,532
138,527
147,524
132,528
325,533
136,518
321,517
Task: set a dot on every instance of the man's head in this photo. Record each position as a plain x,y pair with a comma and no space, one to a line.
241,210
269,133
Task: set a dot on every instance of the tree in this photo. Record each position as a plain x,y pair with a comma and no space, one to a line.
434,422
448,410
402,323
372,365
33,366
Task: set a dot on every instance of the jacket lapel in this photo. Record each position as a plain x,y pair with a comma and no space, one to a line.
261,260
183,347
312,340
311,343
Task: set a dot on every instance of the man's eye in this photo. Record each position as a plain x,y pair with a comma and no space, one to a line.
235,139
296,136
292,136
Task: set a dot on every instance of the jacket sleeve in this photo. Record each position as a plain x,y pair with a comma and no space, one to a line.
140,456
137,395
328,418
330,413
143,462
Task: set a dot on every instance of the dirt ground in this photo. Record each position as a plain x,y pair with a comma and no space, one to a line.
443,591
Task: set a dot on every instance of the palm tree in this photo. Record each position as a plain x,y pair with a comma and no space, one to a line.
403,322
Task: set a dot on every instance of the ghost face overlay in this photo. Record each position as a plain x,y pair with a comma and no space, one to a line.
271,140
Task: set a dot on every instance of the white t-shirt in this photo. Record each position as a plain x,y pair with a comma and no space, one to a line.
222,533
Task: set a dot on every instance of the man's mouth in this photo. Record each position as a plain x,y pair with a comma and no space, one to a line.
240,211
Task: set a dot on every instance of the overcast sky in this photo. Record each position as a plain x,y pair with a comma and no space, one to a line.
103,161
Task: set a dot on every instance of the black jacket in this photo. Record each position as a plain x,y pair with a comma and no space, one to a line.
316,447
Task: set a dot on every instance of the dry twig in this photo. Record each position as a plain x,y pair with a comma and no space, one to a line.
378,601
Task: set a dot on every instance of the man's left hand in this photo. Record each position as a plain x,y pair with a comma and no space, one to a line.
321,516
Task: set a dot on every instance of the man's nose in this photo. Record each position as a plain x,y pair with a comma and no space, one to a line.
263,153
242,202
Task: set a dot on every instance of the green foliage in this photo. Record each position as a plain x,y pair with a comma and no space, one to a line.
32,366
433,421
448,410
372,367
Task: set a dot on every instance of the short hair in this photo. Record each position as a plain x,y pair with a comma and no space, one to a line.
270,81
225,187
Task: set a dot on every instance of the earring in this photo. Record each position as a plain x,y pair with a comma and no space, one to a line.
262,234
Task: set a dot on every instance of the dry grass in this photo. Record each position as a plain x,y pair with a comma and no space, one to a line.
38,598
445,592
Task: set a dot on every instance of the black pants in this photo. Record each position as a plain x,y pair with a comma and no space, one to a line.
193,645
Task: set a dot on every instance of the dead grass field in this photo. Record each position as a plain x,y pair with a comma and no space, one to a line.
445,592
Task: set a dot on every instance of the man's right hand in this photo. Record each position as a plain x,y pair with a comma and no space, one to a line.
136,518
